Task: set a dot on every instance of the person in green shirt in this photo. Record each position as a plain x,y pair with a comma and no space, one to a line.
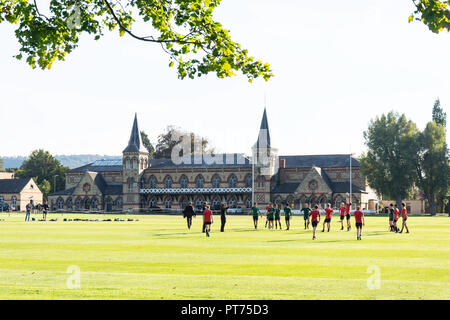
270,215
255,212
287,215
277,216
306,210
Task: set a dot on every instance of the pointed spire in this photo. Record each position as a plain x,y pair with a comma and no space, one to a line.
264,132
135,143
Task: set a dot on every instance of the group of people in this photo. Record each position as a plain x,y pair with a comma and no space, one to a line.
310,216
30,206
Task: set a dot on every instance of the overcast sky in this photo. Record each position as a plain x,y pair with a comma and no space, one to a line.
337,64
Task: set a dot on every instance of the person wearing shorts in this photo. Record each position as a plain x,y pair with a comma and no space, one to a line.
287,215
359,219
277,216
348,208
267,213
404,218
270,216
207,219
391,217
45,210
315,219
255,213
394,222
306,212
342,210
327,221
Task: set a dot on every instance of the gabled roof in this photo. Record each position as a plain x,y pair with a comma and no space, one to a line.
13,185
324,176
323,161
135,142
287,187
66,192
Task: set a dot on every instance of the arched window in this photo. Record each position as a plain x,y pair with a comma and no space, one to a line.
152,203
94,204
232,202
78,204
168,182
130,182
87,203
216,203
135,163
184,181
199,181
199,203
69,204
248,181
232,181
108,204
248,203
261,182
60,203
168,203
143,182
216,181
152,182
119,203
127,163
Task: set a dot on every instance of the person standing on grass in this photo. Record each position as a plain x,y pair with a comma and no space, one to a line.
315,219
342,210
267,213
270,216
203,210
306,212
28,208
207,219
404,218
394,222
223,216
287,215
277,216
255,212
348,208
188,213
391,217
329,213
359,219
45,210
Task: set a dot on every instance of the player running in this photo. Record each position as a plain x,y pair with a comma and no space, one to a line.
287,215
329,213
306,212
207,219
404,218
315,219
348,208
359,219
255,212
342,209
277,216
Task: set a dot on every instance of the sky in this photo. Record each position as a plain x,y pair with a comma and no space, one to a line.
337,65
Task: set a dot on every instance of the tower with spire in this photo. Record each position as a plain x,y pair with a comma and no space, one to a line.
135,161
265,159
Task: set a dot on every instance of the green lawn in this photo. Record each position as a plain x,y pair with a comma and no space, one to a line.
158,258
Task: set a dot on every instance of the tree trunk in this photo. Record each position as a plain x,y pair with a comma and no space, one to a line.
432,205
399,202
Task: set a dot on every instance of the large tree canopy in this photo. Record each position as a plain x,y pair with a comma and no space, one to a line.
185,29
434,14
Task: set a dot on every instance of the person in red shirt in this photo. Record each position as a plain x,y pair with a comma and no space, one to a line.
396,213
342,209
267,213
359,219
207,219
329,213
404,218
315,219
348,208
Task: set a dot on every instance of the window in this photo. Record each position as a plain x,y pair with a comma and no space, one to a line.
78,204
248,203
60,204
135,163
215,181
261,181
232,181
199,181
152,203
152,182
119,203
143,184
248,181
199,203
69,204
232,202
87,203
127,163
130,182
216,203
13,201
94,204
168,182
168,203
183,182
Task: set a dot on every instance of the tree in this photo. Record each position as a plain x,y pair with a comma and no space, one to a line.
45,169
433,13
432,165
439,116
185,29
168,140
147,144
390,162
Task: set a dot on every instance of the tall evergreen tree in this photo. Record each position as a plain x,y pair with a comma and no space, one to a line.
439,116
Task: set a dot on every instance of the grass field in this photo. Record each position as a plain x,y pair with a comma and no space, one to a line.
158,258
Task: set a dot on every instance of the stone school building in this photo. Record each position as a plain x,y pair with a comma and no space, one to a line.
136,182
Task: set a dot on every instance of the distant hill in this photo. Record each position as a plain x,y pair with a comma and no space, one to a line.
71,161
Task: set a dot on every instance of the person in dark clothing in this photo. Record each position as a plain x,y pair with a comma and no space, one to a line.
45,207
223,216
203,210
188,213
